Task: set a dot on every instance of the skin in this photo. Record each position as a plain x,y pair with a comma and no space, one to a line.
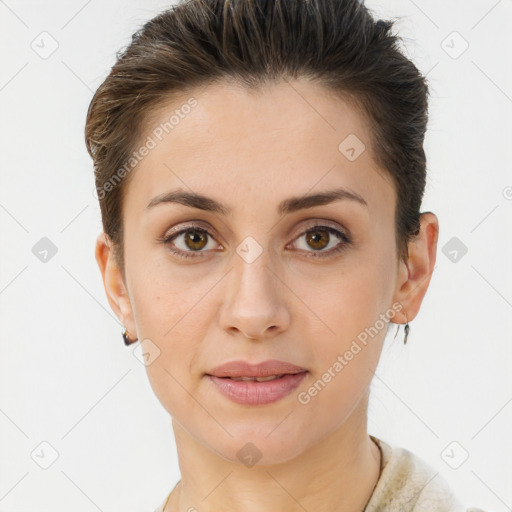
251,151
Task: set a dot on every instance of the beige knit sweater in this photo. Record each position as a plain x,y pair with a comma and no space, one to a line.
406,484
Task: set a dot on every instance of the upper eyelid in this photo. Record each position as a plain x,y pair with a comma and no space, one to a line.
321,223
188,226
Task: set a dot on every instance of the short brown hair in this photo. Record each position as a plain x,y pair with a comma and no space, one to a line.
254,42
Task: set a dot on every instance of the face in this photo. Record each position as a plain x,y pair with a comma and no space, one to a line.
267,276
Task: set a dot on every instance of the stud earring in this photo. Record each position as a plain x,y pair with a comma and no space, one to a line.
127,340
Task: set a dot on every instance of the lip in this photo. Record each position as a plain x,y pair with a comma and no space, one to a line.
263,369
257,393
253,392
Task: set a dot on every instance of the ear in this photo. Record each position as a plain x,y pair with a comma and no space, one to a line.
114,284
414,275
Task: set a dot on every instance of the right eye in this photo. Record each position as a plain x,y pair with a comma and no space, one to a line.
190,240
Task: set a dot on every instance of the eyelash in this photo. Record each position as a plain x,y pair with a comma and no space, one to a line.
309,254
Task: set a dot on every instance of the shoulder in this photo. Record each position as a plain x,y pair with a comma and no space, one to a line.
408,483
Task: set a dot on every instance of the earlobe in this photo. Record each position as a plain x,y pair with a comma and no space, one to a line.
414,277
113,281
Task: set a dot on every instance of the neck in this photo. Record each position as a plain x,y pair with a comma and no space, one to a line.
338,473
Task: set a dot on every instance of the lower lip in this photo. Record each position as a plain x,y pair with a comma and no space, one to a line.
257,393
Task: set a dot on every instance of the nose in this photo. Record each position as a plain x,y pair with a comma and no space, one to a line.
255,305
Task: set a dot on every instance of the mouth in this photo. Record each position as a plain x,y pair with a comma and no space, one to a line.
261,379
256,384
252,391
266,370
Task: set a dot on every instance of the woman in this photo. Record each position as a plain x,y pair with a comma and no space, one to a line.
260,170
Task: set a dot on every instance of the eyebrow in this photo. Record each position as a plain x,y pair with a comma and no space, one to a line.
290,205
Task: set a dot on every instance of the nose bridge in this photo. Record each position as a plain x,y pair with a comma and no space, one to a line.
254,304
252,277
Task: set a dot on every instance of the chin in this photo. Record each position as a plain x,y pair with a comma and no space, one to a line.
268,443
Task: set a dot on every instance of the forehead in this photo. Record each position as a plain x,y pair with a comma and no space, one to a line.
234,144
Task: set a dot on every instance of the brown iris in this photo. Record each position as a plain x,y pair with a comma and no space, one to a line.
196,239
318,238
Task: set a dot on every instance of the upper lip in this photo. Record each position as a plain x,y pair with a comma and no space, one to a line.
263,369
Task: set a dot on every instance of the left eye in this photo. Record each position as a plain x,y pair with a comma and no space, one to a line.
319,238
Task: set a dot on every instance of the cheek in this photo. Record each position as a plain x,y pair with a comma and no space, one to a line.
172,308
347,298
347,343
346,304
164,294
169,318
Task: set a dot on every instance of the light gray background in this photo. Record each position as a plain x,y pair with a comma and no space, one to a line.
66,378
